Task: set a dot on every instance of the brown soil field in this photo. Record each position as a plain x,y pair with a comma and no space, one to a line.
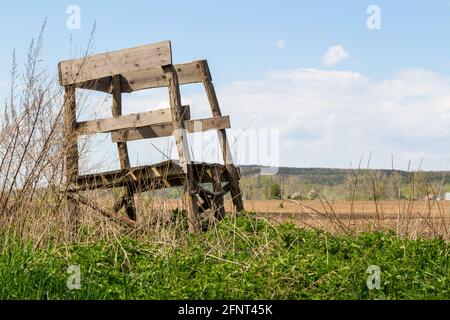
361,209
410,218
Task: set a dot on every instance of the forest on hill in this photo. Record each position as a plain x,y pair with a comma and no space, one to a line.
343,184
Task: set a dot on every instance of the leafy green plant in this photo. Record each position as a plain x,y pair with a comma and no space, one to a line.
241,258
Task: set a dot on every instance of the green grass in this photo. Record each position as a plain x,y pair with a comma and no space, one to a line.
242,259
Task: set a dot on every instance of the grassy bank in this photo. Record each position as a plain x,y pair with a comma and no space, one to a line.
239,259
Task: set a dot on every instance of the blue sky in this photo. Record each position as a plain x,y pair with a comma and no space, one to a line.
257,47
239,36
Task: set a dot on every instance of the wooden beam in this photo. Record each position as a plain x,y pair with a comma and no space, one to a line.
147,78
145,178
222,135
115,63
167,129
71,158
155,78
137,176
117,116
122,148
218,203
134,120
194,224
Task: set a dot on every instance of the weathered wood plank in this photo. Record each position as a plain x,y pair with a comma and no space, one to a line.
194,224
167,129
218,204
122,147
162,175
71,158
134,120
147,79
222,136
155,78
123,177
115,63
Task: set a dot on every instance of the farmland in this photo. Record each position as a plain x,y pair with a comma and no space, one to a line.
411,218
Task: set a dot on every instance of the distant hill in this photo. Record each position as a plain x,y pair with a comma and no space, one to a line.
340,183
332,176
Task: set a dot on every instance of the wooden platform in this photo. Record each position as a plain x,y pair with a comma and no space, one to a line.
156,176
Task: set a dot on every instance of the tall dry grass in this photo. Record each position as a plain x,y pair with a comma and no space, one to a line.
31,162
33,188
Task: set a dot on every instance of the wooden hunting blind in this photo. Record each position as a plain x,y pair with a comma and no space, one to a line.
131,70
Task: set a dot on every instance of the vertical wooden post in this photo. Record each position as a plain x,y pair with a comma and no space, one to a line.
222,134
194,223
122,146
218,205
71,158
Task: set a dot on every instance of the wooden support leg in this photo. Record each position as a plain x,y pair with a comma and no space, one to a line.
218,205
222,134
191,200
71,158
207,202
124,159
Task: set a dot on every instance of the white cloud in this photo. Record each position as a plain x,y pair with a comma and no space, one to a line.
280,44
330,118
325,118
334,55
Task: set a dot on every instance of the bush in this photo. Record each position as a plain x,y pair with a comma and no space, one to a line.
275,191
